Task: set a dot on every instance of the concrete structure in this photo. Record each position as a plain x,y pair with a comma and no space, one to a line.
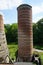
23,63
3,44
19,63
25,34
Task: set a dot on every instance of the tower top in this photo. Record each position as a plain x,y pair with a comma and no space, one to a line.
1,17
23,6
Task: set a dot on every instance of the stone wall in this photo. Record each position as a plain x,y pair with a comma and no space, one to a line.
3,43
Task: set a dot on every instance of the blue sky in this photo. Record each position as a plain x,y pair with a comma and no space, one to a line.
8,8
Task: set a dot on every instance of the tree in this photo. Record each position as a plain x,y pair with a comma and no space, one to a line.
40,31
35,34
8,32
11,32
14,30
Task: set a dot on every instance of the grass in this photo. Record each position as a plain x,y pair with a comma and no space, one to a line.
38,47
13,48
40,53
41,56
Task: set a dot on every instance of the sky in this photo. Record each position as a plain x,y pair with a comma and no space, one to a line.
8,8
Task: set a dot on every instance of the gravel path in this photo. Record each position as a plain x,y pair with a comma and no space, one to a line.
37,50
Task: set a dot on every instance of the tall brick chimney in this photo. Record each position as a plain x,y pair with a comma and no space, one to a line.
25,34
3,43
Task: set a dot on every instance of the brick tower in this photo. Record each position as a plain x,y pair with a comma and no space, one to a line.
25,35
3,44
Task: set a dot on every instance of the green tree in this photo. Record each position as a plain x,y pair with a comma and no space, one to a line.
40,31
14,30
8,32
11,32
35,34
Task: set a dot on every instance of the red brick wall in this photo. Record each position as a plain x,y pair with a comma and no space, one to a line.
25,38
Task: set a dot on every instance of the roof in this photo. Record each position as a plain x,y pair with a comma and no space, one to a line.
24,5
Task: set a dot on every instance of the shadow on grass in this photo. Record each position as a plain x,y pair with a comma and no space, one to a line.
40,47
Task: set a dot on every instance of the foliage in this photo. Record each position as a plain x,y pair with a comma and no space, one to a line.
38,47
38,32
11,32
12,49
35,34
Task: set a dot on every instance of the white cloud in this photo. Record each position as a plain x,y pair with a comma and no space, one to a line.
37,9
1,13
6,22
37,18
9,4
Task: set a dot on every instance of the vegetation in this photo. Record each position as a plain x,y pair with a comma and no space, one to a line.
38,33
38,47
11,32
12,49
12,36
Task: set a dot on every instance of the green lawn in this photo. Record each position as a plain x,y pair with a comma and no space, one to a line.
41,56
13,48
40,53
